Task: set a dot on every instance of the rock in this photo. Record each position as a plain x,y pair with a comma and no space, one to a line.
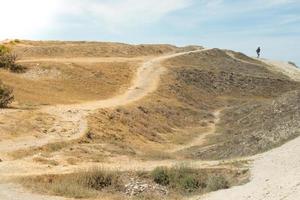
135,187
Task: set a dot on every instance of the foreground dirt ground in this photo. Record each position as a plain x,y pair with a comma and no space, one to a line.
152,106
275,176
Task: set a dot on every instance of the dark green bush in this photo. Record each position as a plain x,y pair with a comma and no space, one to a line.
181,178
160,176
8,61
6,95
97,180
189,183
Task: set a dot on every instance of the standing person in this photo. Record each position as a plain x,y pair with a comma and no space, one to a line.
258,52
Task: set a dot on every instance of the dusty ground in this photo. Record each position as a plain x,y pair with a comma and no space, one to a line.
174,109
275,176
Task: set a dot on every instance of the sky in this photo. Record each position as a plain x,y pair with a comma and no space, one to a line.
240,25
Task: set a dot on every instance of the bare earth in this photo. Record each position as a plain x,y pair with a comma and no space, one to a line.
275,176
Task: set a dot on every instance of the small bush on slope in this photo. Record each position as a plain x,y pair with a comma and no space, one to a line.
6,95
183,179
8,60
4,50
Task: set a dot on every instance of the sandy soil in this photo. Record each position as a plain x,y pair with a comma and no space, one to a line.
276,66
284,67
275,176
13,192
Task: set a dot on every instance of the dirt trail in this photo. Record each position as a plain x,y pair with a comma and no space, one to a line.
14,192
201,139
146,81
284,67
281,180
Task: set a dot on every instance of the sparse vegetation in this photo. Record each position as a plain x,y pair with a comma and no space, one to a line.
244,134
8,60
187,180
183,107
177,181
183,179
78,185
161,176
4,49
216,183
6,95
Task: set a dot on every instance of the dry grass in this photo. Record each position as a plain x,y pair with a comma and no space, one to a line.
25,123
45,150
255,127
43,49
97,183
65,83
181,109
85,184
177,112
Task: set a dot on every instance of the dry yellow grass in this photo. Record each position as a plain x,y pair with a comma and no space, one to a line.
64,83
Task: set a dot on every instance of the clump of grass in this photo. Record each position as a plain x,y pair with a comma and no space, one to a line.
8,60
187,180
4,49
179,181
6,95
216,183
84,184
182,178
161,176
15,41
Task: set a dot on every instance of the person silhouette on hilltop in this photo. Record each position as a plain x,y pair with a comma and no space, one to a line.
258,52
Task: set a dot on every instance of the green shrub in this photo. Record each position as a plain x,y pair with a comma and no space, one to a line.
160,176
6,95
17,68
217,183
189,183
180,178
17,41
97,179
8,61
4,49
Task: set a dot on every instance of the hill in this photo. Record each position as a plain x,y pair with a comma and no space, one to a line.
129,109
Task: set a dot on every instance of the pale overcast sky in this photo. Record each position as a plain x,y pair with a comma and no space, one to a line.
240,25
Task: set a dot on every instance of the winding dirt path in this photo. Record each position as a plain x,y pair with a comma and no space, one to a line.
275,174
145,82
201,139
